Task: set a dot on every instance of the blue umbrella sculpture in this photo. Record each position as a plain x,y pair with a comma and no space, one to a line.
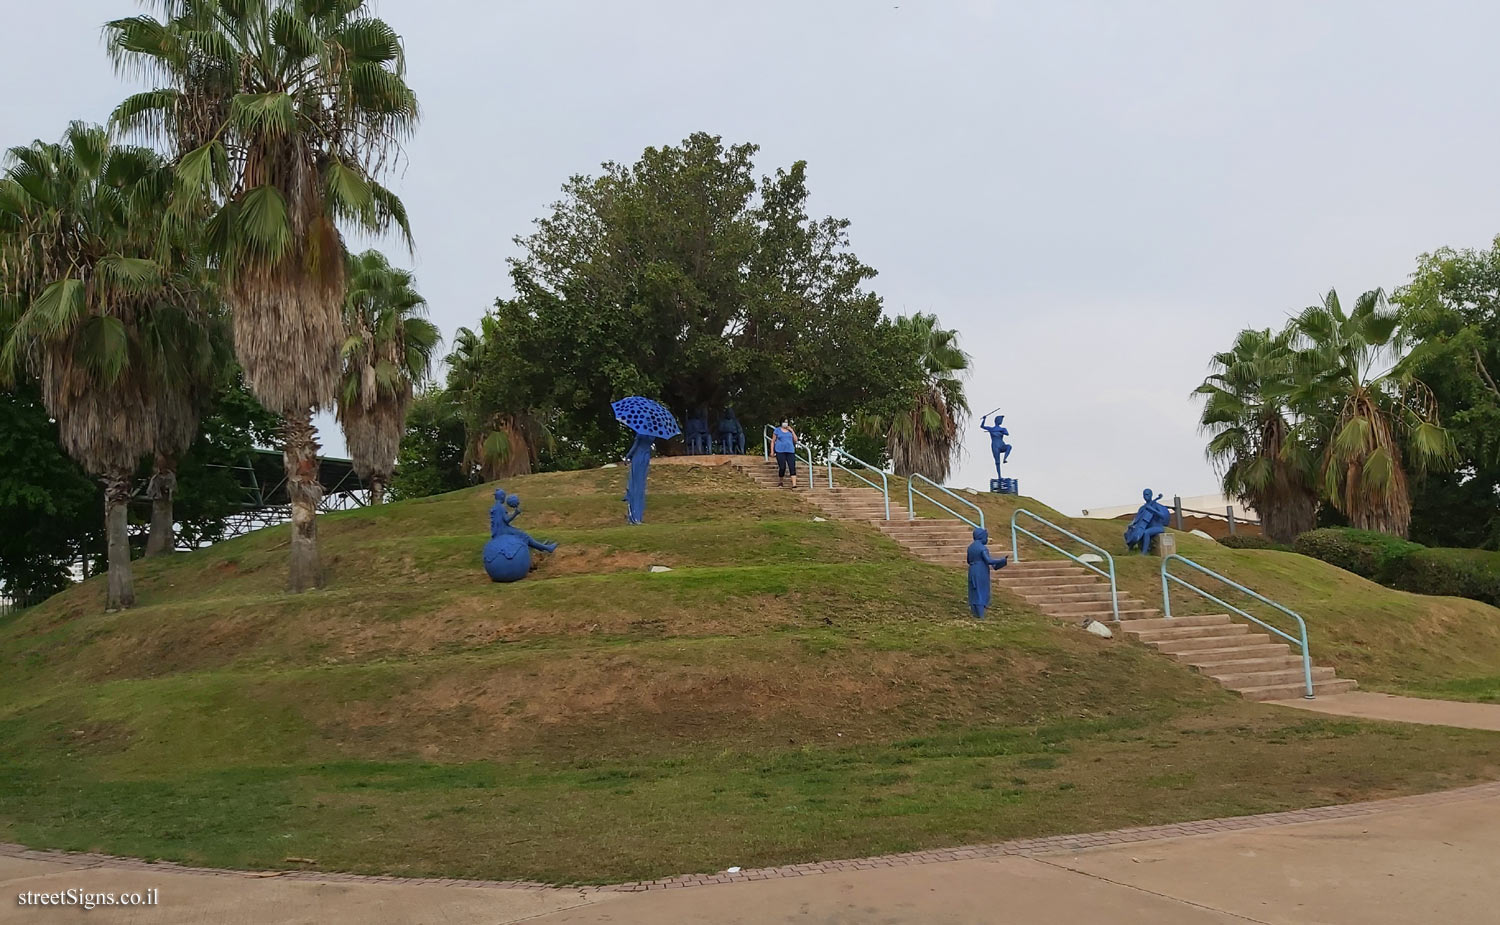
645,416
650,421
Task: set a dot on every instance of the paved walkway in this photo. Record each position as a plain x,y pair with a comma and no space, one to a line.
1422,858
1367,705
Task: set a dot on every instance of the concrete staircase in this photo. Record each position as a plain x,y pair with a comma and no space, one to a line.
1251,663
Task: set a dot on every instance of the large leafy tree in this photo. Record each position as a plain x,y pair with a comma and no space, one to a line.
683,278
1451,309
93,283
1372,418
1254,443
283,114
388,351
48,503
922,422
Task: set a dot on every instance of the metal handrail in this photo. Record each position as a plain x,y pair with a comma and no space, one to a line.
911,504
1015,552
834,452
768,437
1166,607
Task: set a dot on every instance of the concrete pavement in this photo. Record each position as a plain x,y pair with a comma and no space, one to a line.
1410,860
1370,705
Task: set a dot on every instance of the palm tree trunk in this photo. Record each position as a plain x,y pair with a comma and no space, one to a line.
300,456
377,489
116,528
163,485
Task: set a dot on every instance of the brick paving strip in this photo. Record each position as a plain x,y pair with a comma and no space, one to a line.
1023,847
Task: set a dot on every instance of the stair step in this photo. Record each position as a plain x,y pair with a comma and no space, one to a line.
1210,619
1241,680
1196,657
1247,665
1212,630
1176,646
1026,579
1070,597
1292,691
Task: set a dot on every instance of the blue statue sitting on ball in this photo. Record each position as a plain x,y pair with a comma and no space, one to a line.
1149,523
980,565
507,556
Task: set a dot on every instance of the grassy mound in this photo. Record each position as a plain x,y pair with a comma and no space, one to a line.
1388,640
793,689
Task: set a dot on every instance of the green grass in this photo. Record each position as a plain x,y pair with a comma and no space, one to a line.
791,690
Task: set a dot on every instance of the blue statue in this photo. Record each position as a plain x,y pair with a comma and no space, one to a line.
998,446
1150,522
731,434
980,565
639,456
507,556
699,439
650,421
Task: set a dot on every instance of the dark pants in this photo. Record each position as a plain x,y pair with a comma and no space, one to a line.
786,463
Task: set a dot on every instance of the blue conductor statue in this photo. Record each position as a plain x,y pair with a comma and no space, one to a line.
507,556
981,563
1150,522
998,446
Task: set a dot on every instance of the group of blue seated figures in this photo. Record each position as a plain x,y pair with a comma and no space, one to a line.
728,437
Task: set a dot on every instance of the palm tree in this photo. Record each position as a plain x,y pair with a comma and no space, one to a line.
388,351
1254,444
499,441
196,358
922,433
283,114
1364,406
95,287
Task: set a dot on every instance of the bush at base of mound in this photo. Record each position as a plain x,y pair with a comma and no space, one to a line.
1252,541
1364,552
1471,573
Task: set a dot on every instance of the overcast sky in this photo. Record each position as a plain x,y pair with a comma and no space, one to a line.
1098,195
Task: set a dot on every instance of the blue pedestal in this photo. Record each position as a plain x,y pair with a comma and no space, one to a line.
1005,486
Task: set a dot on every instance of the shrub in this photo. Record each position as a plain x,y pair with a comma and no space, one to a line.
1363,552
1472,573
1252,541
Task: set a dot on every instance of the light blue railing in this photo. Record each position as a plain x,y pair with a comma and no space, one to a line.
834,452
768,439
1166,607
1015,551
911,503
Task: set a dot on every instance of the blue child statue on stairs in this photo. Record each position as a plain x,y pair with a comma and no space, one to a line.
980,565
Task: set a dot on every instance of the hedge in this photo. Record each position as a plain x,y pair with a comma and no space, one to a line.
1252,541
1363,552
1472,573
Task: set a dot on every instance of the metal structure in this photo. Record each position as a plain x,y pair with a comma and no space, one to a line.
834,452
911,505
1166,609
1015,551
263,499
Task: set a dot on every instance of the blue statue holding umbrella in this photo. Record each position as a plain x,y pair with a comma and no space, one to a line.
651,422
507,556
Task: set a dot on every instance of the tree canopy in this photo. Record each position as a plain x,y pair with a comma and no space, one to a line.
683,278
